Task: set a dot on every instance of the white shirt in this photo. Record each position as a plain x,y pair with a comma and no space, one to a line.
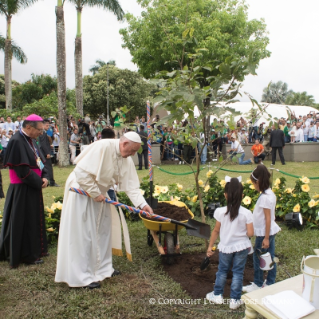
235,145
265,200
242,137
233,234
11,125
299,135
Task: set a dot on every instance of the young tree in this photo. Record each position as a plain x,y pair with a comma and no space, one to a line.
9,8
61,76
111,5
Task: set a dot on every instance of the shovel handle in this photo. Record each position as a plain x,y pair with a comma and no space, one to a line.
132,209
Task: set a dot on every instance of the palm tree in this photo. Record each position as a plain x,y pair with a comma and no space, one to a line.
300,98
61,77
17,52
99,64
9,8
111,5
276,93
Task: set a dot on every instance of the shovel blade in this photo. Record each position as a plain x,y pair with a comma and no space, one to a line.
153,202
202,230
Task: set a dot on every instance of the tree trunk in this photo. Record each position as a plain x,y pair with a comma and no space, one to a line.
61,77
78,75
8,74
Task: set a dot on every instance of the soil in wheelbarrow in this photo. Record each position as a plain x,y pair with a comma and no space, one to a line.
172,212
186,271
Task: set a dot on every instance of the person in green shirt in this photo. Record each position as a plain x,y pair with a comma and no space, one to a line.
287,129
117,124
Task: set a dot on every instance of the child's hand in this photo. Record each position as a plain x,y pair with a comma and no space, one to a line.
265,243
209,253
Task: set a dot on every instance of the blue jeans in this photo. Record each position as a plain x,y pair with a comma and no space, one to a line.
176,152
170,149
111,193
287,139
258,273
203,157
241,160
225,261
305,137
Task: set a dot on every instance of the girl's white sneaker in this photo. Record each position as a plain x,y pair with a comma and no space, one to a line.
250,288
214,299
234,304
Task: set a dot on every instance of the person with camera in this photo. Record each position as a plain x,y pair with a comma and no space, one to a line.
74,142
235,149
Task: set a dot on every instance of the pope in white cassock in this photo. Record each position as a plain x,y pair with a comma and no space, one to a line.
90,229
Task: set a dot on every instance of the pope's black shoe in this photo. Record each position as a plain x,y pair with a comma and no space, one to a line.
93,285
116,273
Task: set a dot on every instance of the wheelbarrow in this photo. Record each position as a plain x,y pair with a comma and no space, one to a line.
155,229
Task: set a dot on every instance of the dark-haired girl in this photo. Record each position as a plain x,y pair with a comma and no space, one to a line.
265,227
234,225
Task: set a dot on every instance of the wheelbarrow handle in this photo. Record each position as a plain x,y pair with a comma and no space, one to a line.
132,209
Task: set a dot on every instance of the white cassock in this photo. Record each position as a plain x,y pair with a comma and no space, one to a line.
88,228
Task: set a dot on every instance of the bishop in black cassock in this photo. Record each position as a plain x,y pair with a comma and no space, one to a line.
23,233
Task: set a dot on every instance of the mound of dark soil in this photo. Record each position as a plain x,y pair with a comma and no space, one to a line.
186,271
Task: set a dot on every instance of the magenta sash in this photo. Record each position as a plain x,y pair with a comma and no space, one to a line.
14,179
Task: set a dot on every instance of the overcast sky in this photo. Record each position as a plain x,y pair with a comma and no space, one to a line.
293,31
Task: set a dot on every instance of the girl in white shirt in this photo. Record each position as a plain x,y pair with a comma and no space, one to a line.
265,227
234,225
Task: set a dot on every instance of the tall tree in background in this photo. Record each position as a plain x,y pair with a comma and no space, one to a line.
61,76
276,93
110,5
9,8
300,98
100,63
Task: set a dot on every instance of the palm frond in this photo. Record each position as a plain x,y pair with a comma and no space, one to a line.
110,5
17,52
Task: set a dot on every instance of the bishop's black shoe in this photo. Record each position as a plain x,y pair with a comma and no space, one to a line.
36,262
93,285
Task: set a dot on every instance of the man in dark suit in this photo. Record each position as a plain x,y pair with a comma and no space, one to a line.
277,142
145,149
45,148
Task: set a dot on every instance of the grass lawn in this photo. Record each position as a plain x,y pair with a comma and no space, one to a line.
30,291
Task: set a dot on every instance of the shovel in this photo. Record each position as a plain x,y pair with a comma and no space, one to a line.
193,227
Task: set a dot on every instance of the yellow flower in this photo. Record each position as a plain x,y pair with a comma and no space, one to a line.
53,197
288,190
157,188
200,183
188,198
222,183
49,215
249,181
179,187
305,188
157,193
142,192
252,187
59,206
209,173
206,189
164,189
294,195
277,181
194,199
316,196
247,200
49,210
54,206
177,198
312,203
50,229
305,180
296,209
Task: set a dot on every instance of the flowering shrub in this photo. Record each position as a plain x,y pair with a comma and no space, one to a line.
289,200
52,219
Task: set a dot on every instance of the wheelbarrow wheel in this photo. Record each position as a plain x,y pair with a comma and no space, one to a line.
149,238
170,248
